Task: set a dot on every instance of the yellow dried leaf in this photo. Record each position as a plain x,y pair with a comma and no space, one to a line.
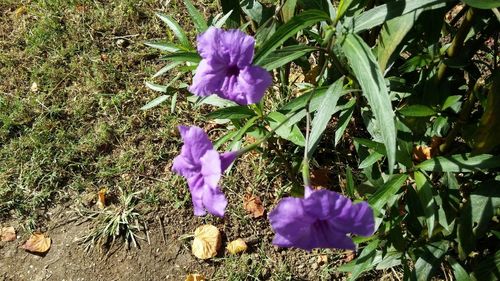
195,277
422,153
8,234
322,259
38,243
101,198
236,246
253,205
207,241
20,11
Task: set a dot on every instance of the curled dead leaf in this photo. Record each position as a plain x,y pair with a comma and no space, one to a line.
236,246
38,243
253,205
8,234
421,153
101,198
195,277
207,241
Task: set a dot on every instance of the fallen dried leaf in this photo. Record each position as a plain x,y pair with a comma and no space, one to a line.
349,256
20,11
38,243
320,178
207,241
101,198
322,259
195,277
8,234
34,87
236,246
421,153
253,205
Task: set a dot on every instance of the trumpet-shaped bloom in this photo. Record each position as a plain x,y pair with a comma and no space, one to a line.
322,219
202,166
226,67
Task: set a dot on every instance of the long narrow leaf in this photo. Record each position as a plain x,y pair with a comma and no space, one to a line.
460,163
198,19
163,46
176,29
289,29
285,55
372,82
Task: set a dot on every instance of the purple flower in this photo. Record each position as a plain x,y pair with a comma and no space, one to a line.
226,67
322,219
202,166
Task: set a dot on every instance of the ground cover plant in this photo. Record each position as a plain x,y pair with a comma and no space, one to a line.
386,108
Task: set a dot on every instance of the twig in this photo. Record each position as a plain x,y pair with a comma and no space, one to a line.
124,36
162,230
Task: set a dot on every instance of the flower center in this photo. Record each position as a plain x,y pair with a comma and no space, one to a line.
233,70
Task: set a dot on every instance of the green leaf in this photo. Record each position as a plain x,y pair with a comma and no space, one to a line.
371,159
163,46
291,133
460,163
327,108
391,35
485,203
424,191
198,19
458,270
285,55
384,193
383,13
183,57
176,29
157,101
374,89
243,130
289,29
483,4
488,268
288,10
343,7
232,112
223,20
157,87
430,259
365,260
451,101
166,68
350,182
417,110
345,117
234,7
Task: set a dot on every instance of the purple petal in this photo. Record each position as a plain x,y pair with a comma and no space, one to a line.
208,41
307,191
363,219
321,204
252,84
239,46
196,144
214,201
183,167
197,199
226,159
211,168
209,77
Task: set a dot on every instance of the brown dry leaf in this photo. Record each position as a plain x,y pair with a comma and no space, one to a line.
101,198
195,277
322,259
421,153
8,234
207,241
436,142
349,256
253,205
236,246
20,11
38,243
312,74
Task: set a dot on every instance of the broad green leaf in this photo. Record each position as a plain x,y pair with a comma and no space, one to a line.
365,260
383,13
345,117
392,33
327,108
176,29
485,203
430,259
460,163
166,68
458,270
288,9
163,46
198,19
291,133
285,55
451,101
371,159
173,102
488,268
483,4
374,89
289,29
486,135
343,7
157,101
384,193
183,57
417,110
424,191
226,137
232,112
253,9
234,7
